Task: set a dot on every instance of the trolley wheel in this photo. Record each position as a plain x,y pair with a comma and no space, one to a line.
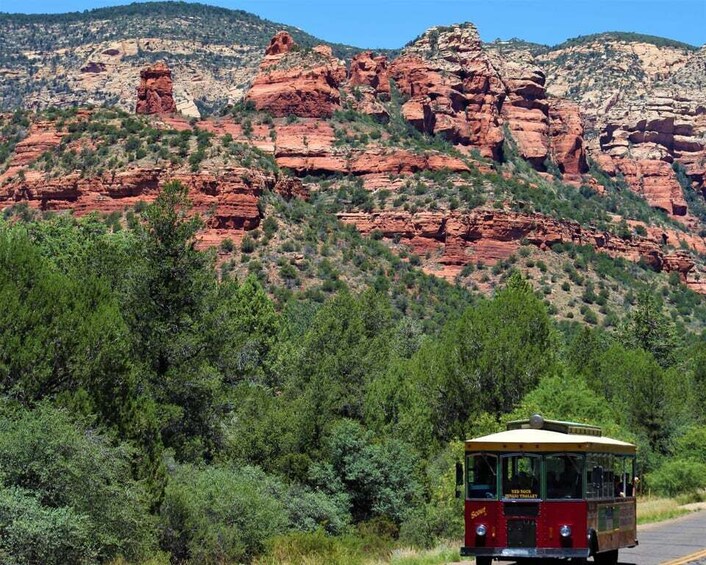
606,558
484,560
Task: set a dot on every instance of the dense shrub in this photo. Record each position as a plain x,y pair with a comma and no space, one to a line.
33,533
678,476
218,514
75,483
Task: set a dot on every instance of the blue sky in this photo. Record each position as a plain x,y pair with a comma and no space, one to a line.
392,23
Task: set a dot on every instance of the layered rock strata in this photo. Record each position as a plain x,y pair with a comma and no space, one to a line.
227,198
668,127
455,239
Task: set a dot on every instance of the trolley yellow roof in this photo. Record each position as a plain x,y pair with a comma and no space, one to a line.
533,436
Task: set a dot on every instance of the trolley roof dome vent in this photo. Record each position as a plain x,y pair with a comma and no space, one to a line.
536,422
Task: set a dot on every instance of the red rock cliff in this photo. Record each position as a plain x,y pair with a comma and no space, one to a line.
566,137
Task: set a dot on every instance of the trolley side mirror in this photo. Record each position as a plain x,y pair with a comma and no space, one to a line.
459,479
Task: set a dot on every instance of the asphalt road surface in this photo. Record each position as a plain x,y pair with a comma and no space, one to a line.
669,541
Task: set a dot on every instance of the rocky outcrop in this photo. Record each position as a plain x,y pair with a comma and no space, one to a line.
566,137
289,188
453,88
280,44
155,95
367,70
679,262
469,94
656,182
298,82
41,137
454,239
369,84
599,72
667,126
308,148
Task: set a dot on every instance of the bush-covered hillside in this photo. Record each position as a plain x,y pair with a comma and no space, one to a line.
152,409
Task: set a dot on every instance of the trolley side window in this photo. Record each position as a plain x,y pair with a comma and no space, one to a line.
521,475
610,475
564,475
482,470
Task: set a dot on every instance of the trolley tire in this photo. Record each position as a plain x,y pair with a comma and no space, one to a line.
484,560
606,558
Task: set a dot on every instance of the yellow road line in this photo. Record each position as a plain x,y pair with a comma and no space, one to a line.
687,559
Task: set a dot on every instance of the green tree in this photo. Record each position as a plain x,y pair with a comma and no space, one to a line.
33,533
505,346
61,336
484,362
175,288
347,345
566,398
381,478
647,327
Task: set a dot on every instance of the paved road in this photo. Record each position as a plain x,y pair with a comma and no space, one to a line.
666,541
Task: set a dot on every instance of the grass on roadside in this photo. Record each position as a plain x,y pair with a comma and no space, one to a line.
658,509
445,553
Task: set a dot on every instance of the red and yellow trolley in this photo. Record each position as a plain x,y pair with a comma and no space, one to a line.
547,489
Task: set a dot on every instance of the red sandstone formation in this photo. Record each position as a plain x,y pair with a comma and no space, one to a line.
652,179
42,137
453,88
308,148
367,70
566,137
679,262
456,238
525,111
296,82
280,44
288,188
458,90
155,94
